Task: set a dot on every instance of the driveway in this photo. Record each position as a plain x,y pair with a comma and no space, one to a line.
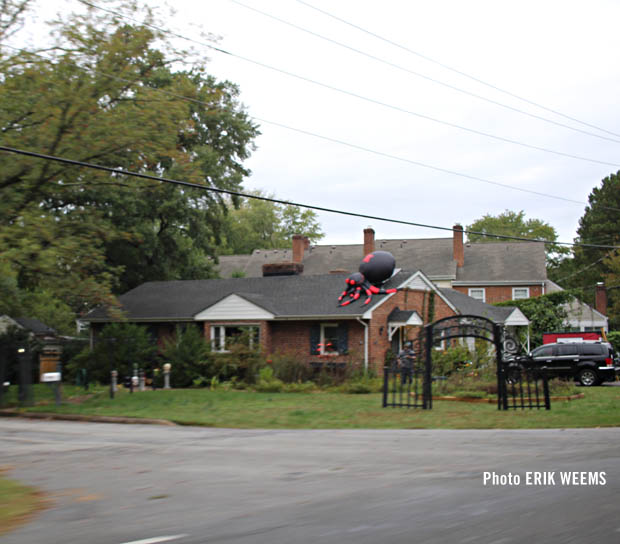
112,484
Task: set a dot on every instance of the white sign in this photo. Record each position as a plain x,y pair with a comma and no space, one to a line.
50,377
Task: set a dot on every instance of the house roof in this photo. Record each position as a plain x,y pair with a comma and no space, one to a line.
283,296
578,312
33,325
484,262
467,305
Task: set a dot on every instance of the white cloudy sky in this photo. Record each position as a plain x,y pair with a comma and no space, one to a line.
562,54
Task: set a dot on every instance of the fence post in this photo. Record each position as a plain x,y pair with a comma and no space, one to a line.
386,383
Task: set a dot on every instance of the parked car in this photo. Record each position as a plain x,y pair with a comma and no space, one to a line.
590,363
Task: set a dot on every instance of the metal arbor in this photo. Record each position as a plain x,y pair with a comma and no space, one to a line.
518,384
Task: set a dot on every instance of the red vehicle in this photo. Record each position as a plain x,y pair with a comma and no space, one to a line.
560,337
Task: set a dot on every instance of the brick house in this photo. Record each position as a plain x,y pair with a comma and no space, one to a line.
489,272
299,314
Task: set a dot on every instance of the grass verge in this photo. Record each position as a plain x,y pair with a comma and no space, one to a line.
331,410
17,503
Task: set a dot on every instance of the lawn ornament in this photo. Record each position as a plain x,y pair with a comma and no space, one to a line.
376,268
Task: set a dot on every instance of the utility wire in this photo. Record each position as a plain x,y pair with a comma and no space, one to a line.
337,141
456,71
581,270
355,95
418,74
278,201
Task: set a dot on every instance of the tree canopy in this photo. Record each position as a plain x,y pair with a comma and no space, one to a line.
599,225
116,94
511,223
260,224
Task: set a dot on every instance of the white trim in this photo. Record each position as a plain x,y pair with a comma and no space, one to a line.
233,307
481,289
520,288
222,348
516,319
323,326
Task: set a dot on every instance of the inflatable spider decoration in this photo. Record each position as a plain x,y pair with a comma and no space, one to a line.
376,268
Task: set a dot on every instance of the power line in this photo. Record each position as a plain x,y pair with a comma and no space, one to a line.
456,71
358,96
418,74
277,201
338,141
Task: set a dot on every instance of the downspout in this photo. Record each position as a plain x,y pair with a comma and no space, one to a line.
365,325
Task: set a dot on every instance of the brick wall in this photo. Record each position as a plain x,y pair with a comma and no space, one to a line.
499,293
420,301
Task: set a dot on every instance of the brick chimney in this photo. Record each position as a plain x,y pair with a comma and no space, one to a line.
369,241
458,252
299,246
601,298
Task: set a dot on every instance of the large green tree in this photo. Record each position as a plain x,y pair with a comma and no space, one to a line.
599,225
117,94
511,223
260,224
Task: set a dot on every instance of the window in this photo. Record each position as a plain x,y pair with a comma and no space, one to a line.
591,349
478,294
329,339
543,351
519,293
223,336
567,349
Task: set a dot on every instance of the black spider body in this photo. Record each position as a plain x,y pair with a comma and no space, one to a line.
375,269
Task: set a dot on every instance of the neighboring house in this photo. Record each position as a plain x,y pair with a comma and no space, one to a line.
49,356
35,327
299,314
580,316
489,272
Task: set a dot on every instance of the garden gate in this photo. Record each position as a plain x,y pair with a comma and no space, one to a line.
519,384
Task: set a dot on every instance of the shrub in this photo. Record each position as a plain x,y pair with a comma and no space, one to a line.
267,382
290,369
119,346
189,356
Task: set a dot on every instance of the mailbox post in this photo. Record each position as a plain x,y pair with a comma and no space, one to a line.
25,377
53,379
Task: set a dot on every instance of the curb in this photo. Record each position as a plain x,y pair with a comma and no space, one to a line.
80,417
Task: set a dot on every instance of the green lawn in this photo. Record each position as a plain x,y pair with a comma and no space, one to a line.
330,410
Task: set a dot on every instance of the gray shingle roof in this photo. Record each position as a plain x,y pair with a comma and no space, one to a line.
470,306
285,296
488,262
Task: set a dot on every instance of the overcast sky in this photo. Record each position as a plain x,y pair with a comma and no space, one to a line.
560,54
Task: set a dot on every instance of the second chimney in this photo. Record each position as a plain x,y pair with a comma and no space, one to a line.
369,241
458,252
600,302
299,245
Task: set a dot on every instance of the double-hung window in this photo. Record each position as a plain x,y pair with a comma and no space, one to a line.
224,336
519,293
478,293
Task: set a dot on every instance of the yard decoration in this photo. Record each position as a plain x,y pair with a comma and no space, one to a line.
376,268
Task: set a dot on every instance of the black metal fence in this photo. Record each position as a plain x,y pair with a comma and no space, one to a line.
406,387
519,384
523,387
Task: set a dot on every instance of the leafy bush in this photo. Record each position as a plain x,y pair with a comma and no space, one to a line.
290,369
267,382
119,346
189,356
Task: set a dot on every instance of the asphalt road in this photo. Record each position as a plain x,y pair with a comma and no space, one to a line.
113,484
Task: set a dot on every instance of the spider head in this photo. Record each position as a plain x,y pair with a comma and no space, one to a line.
355,279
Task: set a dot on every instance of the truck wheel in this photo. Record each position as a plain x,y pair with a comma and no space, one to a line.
587,377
